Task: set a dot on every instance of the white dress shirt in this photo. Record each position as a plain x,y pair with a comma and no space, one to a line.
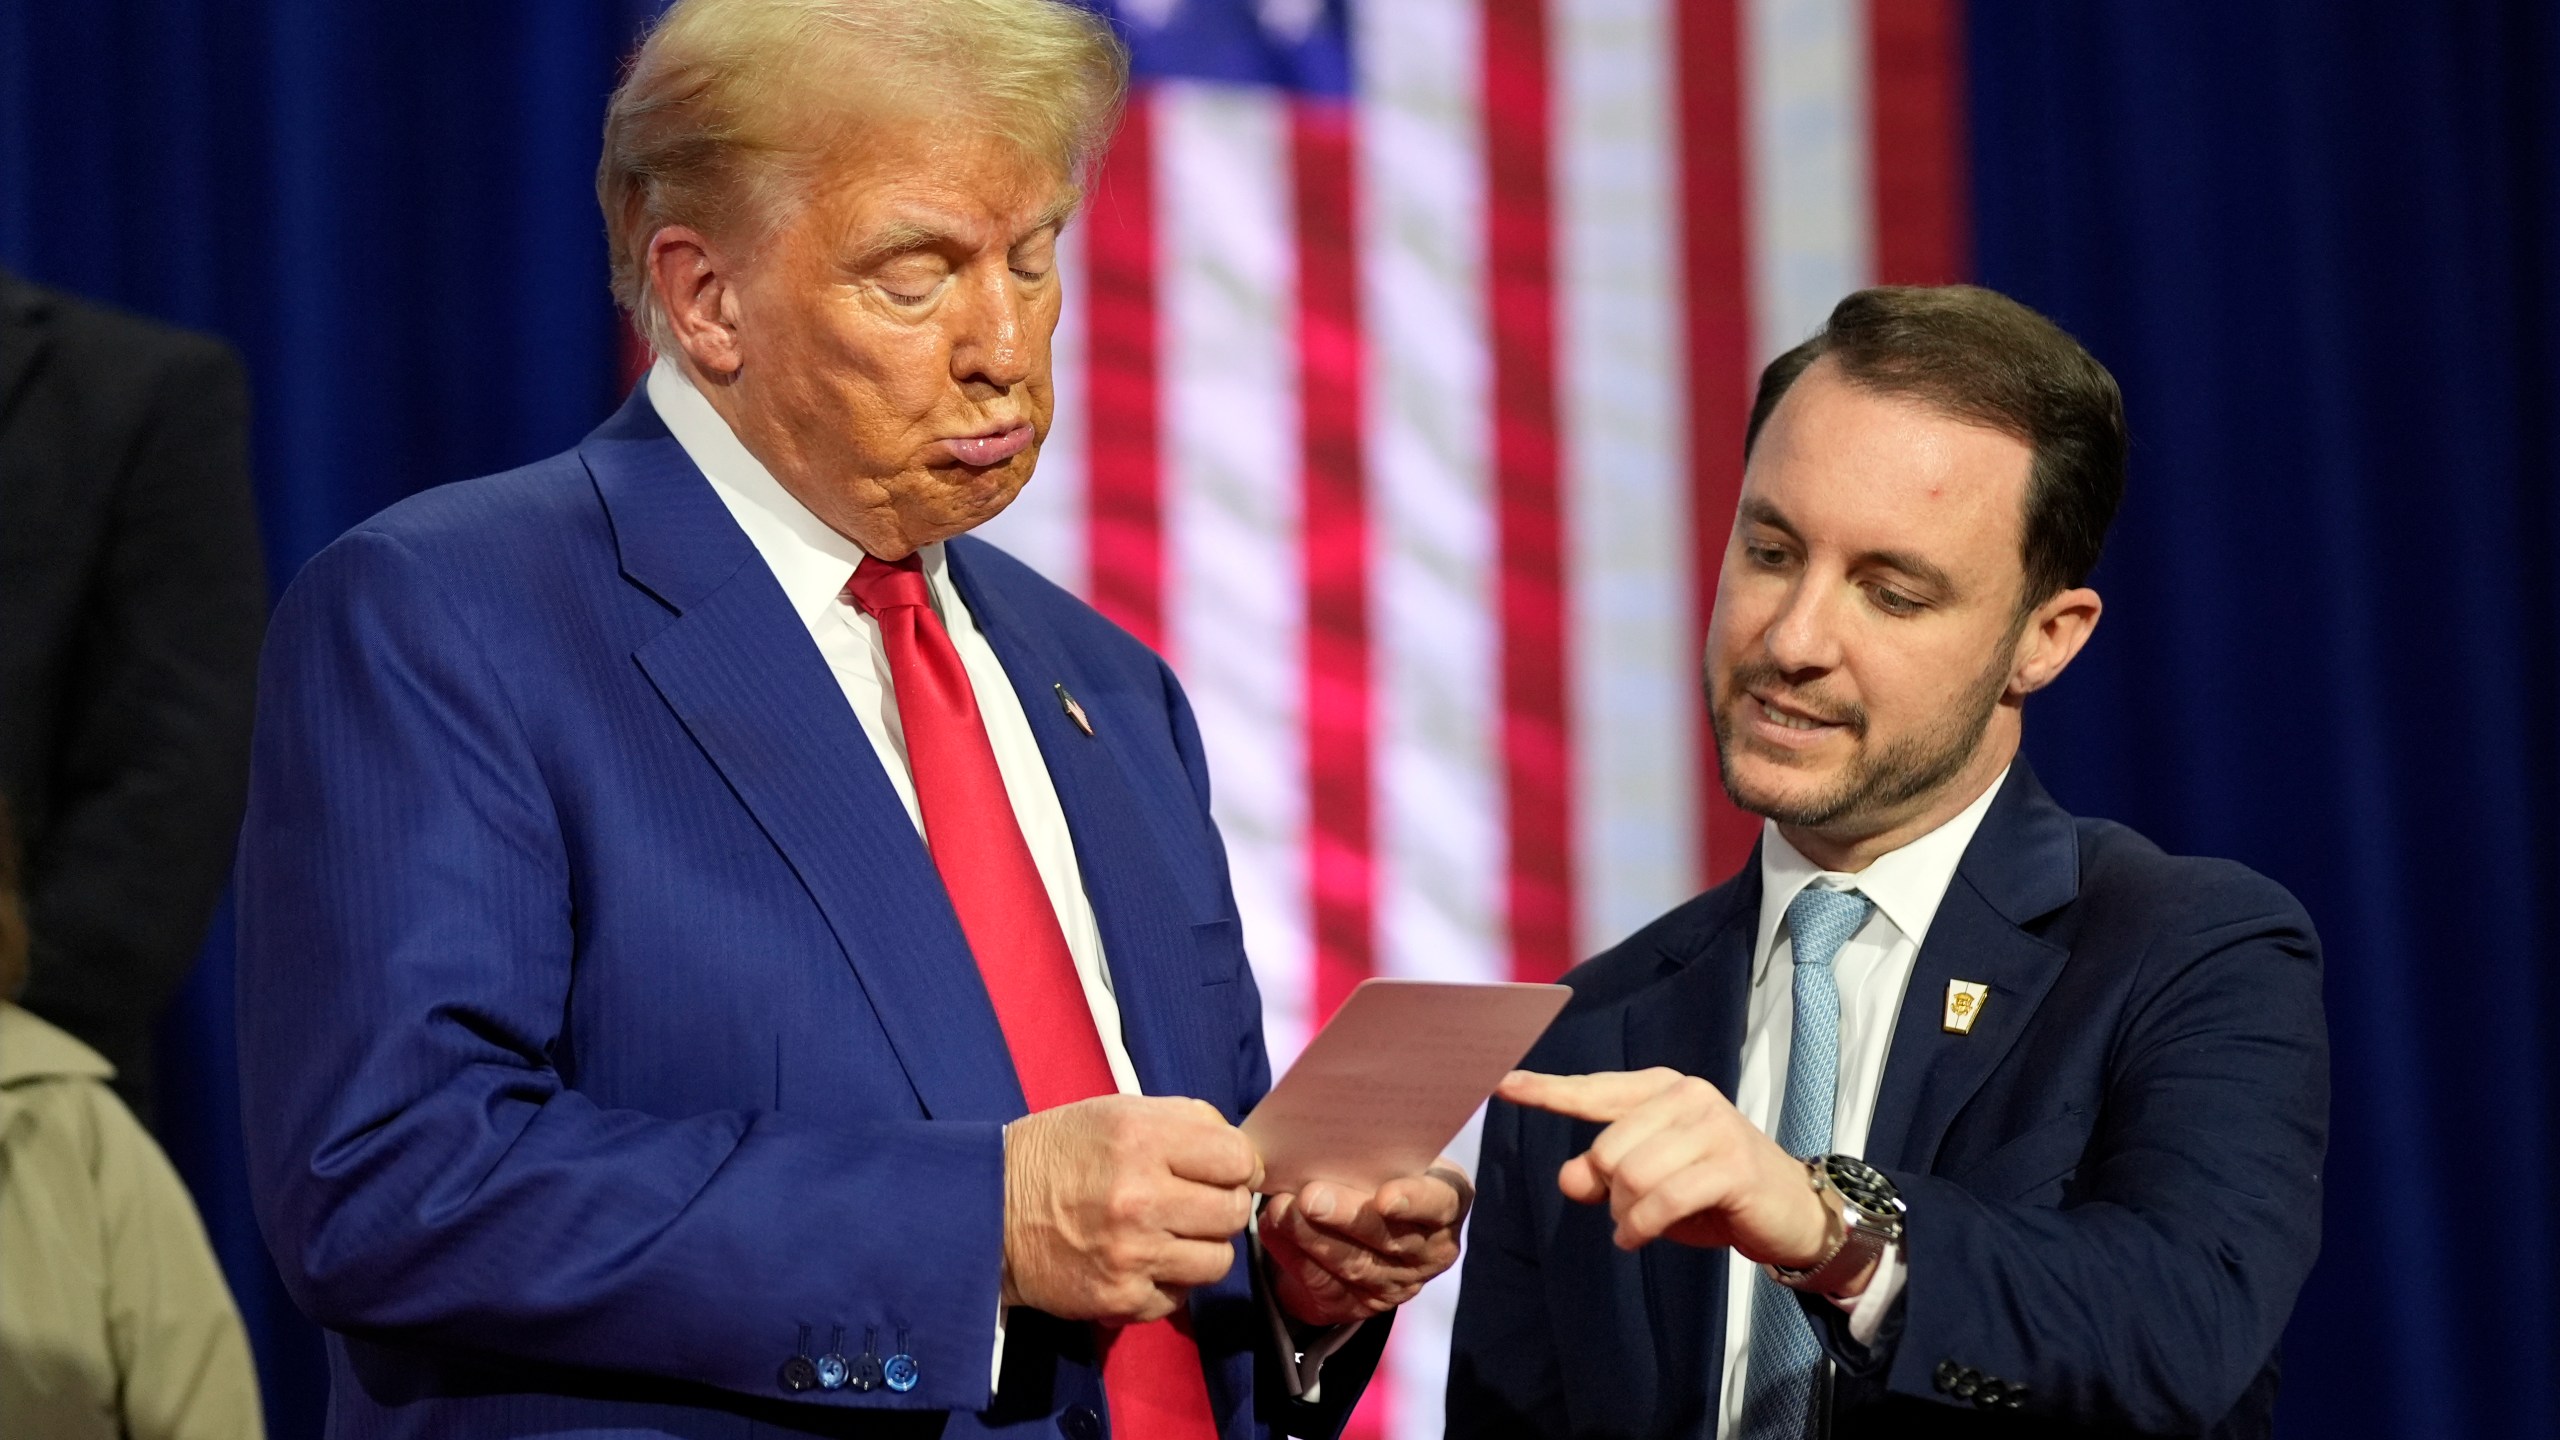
1872,970
812,563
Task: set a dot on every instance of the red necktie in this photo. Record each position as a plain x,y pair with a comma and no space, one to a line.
1151,1372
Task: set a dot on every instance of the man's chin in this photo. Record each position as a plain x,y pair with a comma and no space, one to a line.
965,504
1787,790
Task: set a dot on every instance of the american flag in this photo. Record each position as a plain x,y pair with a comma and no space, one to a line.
1400,403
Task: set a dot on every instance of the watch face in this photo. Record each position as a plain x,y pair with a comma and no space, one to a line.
1862,1185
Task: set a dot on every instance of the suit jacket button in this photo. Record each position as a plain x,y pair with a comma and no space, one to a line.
1082,1422
1967,1382
799,1373
1944,1377
1990,1392
900,1372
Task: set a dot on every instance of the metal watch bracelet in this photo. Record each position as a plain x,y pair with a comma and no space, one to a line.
1864,1237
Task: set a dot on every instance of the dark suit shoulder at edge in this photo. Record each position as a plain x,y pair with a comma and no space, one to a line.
96,334
2120,869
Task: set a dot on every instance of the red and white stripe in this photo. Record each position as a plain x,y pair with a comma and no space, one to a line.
1410,431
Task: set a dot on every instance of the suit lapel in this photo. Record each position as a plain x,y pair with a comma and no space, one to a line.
1146,930
2023,864
1693,1022
738,669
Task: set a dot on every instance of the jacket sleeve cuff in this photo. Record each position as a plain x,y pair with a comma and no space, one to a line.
1302,1349
1866,1309
1860,1332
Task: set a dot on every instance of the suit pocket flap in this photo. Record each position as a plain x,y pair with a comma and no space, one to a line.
1221,947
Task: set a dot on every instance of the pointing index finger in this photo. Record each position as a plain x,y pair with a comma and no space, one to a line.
1604,1097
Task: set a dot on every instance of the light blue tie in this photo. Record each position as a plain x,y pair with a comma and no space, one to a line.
1778,1388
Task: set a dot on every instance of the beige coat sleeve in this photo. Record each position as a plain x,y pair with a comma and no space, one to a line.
177,1338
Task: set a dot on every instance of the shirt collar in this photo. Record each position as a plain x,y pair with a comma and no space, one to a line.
808,558
1906,884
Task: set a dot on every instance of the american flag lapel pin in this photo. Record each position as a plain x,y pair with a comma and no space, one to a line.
1964,1005
1074,711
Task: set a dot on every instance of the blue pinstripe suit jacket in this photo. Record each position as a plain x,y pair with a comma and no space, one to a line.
609,1038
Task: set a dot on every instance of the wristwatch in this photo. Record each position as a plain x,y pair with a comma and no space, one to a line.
1870,1211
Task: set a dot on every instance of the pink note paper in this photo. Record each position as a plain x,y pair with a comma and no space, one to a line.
1392,1078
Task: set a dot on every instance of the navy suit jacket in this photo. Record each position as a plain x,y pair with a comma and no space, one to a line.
2114,1180
608,1036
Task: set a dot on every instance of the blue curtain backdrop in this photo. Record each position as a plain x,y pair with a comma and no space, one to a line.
2318,243
388,209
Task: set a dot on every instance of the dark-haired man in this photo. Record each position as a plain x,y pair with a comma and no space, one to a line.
1950,1114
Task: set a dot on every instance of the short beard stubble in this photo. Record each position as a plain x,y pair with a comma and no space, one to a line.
1877,785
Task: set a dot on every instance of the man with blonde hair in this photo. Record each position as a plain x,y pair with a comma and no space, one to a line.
720,947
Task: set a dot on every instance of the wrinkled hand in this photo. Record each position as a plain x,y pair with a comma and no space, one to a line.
1678,1161
1340,1254
1115,1207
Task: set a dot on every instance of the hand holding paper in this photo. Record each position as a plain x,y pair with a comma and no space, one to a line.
1362,1215
1341,1254
1117,1206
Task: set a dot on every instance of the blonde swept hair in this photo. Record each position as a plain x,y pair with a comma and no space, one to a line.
729,107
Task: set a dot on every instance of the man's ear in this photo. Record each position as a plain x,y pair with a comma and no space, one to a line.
694,290
2053,635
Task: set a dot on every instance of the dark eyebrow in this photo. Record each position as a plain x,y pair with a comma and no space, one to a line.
1758,511
1913,566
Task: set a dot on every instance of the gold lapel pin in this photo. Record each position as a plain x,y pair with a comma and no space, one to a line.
1074,711
1964,1005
